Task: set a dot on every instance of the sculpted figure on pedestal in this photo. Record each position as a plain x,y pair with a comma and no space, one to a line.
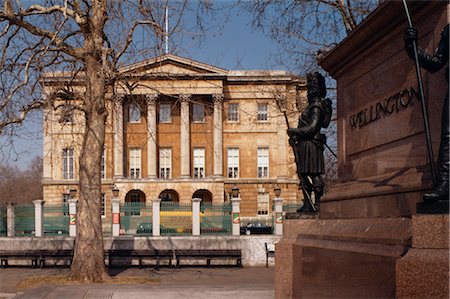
308,142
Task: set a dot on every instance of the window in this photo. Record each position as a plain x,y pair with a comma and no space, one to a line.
198,113
233,114
165,163
263,204
66,197
134,204
135,163
134,112
66,115
103,206
263,162
68,163
103,165
233,162
165,113
199,163
262,112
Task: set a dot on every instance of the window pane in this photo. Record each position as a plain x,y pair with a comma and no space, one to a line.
199,162
134,113
68,164
263,162
198,113
103,165
164,113
165,163
233,112
135,163
103,209
262,112
263,204
233,162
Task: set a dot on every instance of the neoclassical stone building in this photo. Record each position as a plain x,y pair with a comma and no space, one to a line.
179,129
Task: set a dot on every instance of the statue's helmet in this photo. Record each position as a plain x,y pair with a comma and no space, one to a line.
315,83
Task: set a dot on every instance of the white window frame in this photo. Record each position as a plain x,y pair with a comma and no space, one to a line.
135,162
198,108
165,163
68,163
263,112
263,162
233,113
103,165
134,108
167,108
233,162
263,204
199,162
103,206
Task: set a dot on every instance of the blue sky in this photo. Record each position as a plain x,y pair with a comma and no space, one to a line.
233,45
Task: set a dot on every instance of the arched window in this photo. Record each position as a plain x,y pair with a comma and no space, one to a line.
134,200
169,196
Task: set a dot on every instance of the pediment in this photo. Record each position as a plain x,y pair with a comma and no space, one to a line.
171,65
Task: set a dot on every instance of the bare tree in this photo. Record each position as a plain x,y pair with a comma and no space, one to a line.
83,42
21,186
303,27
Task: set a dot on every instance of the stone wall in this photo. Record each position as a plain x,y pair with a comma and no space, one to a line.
252,247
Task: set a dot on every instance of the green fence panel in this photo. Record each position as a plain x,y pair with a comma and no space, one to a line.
56,219
176,219
24,220
107,227
3,221
136,219
215,219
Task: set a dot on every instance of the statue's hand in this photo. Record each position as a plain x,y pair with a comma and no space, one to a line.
410,36
292,132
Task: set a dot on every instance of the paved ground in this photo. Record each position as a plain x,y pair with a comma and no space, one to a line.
179,283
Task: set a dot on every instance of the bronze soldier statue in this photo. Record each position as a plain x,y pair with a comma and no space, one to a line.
308,142
434,63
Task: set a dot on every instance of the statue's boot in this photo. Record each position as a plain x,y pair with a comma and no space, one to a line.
440,190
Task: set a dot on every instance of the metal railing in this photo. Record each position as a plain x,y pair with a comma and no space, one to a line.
24,220
56,219
215,219
3,221
176,218
136,218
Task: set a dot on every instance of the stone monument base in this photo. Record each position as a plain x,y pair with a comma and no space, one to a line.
340,258
424,271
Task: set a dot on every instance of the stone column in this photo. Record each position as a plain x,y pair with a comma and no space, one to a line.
278,216
196,216
236,216
118,136
217,135
10,220
151,131
185,151
38,217
115,204
72,217
156,217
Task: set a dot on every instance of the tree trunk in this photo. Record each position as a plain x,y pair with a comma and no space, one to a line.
88,263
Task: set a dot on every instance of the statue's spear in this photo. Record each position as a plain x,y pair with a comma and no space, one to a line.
422,101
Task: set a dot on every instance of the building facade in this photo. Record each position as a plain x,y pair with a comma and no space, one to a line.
179,129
